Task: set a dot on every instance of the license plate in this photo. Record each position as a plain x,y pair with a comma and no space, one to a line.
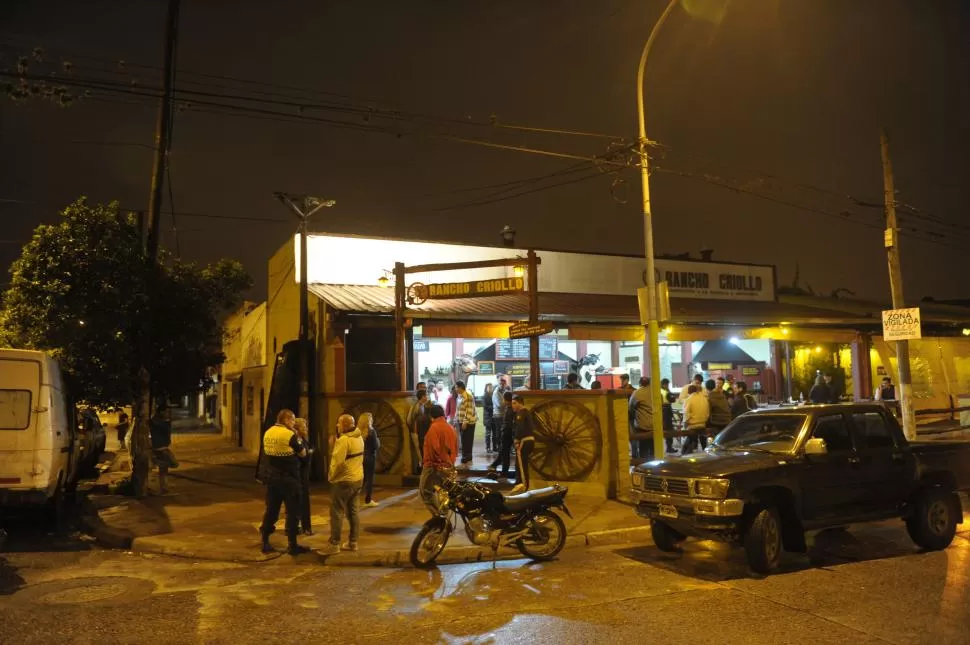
668,510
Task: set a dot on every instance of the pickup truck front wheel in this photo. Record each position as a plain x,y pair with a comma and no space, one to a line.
665,537
935,521
762,541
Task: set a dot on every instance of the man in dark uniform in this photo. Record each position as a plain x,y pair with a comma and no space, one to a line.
525,441
283,452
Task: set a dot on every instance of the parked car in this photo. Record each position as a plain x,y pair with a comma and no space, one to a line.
773,474
92,439
38,432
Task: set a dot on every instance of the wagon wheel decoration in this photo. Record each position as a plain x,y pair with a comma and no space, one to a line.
568,440
417,294
389,427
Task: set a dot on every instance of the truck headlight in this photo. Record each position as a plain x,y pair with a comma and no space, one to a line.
637,481
712,488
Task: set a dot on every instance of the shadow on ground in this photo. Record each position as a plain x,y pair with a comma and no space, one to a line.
717,562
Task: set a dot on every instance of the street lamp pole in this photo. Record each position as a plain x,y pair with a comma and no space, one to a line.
653,327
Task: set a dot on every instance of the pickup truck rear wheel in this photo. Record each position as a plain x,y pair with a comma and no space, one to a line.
935,522
762,541
665,537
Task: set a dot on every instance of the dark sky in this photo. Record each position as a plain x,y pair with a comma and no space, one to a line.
783,98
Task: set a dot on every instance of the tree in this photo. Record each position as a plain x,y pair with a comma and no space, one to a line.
80,291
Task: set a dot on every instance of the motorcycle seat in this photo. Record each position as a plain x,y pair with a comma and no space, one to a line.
522,501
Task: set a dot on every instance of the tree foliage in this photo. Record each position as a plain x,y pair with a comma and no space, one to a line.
80,291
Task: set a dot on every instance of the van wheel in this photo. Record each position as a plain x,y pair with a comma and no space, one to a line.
665,537
935,521
762,541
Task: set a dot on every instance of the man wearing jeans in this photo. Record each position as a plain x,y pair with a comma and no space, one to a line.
347,478
465,420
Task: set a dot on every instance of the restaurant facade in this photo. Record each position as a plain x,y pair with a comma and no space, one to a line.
454,324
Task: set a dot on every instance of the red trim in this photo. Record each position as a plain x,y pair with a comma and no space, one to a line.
9,480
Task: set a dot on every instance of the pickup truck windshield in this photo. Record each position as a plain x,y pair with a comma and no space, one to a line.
763,432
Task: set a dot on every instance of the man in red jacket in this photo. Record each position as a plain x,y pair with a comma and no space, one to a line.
440,452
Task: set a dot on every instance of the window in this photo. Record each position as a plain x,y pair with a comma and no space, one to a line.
833,430
250,395
14,409
872,430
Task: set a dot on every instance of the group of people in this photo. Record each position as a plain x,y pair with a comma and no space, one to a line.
708,407
507,422
286,473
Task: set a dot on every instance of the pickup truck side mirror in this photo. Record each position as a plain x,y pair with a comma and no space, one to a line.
816,446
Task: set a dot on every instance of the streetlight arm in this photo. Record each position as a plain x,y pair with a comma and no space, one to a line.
643,64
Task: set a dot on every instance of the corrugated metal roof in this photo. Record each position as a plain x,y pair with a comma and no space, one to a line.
573,307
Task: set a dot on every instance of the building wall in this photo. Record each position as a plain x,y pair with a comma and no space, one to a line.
254,397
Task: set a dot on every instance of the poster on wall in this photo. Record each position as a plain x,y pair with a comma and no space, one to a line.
486,368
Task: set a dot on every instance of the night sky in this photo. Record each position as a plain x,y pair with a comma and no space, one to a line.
769,116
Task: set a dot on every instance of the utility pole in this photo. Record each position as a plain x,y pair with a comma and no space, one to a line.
162,132
304,206
140,442
535,376
896,284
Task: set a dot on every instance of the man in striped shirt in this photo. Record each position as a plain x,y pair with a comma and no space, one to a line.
466,418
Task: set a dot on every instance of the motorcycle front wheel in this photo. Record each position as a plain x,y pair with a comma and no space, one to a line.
430,542
546,537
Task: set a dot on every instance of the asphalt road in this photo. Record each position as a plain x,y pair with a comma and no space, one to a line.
868,585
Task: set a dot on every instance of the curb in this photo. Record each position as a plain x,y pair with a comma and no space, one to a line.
468,553
90,523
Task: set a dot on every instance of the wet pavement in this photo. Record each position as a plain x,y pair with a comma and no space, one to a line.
866,585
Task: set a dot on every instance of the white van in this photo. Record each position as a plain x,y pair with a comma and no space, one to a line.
38,431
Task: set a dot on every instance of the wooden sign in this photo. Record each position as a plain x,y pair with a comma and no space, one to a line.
476,289
527,330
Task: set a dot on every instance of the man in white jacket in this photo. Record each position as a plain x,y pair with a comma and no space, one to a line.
697,413
347,478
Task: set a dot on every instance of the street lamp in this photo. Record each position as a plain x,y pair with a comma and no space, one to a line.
653,327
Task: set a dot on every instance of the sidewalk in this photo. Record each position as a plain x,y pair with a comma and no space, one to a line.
214,508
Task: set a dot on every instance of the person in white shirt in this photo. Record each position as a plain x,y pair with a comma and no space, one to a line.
697,412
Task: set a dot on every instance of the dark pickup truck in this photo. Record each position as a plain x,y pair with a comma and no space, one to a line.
773,474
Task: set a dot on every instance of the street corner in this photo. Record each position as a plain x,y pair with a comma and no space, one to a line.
91,523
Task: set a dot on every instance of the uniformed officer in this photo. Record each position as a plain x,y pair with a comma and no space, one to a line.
283,451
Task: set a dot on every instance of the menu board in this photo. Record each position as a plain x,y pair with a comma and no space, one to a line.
517,349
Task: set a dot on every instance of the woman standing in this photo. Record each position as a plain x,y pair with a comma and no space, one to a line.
303,436
372,444
488,409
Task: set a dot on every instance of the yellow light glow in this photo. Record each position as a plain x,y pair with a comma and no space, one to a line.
818,350
383,281
966,332
666,330
784,331
518,271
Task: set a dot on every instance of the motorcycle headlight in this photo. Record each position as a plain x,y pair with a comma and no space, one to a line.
712,488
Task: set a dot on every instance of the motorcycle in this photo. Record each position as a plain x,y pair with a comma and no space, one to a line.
524,521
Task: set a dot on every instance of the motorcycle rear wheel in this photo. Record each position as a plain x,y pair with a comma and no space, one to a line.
429,543
547,538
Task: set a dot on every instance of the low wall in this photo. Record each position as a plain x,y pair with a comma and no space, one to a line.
582,437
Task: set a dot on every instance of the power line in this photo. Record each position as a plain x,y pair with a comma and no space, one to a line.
844,216
483,202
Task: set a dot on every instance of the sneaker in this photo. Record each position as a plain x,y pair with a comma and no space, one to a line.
331,549
518,488
491,473
349,546
268,548
371,504
297,549
463,466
